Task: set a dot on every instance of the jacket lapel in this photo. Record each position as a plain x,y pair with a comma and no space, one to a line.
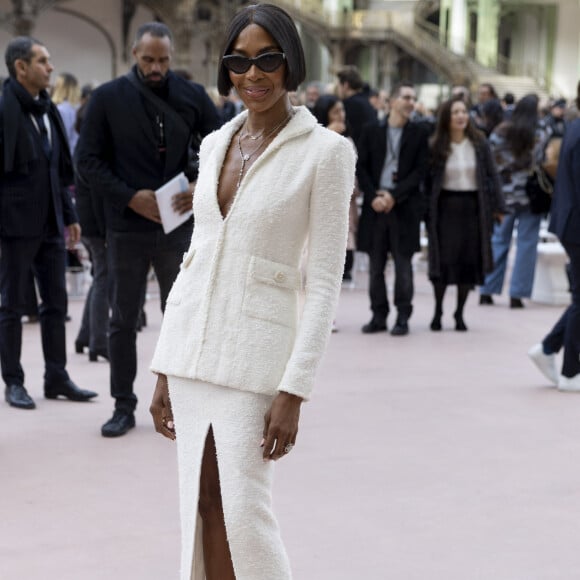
302,122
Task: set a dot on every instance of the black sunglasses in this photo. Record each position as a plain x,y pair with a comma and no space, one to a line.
267,62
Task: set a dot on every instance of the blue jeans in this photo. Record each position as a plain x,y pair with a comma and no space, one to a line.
95,322
131,254
528,228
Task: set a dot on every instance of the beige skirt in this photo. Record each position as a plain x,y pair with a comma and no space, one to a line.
237,421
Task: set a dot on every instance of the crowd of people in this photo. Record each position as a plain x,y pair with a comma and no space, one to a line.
462,169
233,367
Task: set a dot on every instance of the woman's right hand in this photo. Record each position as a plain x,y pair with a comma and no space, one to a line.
160,409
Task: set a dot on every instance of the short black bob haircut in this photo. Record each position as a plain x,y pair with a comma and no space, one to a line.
281,28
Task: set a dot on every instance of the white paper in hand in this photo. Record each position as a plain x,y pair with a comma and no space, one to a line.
170,219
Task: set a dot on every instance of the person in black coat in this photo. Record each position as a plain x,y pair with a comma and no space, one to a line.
465,199
140,131
93,332
35,211
358,108
392,161
565,223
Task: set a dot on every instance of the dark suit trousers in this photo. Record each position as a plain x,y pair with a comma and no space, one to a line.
566,331
46,257
130,255
385,242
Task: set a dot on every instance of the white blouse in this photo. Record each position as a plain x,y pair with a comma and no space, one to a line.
460,169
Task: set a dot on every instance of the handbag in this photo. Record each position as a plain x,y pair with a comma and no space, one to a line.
539,190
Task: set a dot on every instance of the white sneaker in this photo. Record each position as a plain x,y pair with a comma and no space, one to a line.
546,363
569,384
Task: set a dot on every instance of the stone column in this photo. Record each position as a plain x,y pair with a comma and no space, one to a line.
183,26
388,65
182,56
25,13
337,56
458,26
487,32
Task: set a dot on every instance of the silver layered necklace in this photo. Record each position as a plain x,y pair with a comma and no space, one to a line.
245,157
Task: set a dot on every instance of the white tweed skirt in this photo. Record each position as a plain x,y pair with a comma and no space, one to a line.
237,421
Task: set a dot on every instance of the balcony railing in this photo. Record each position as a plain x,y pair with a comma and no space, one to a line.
404,20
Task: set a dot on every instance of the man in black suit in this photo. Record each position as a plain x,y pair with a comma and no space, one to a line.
139,131
35,211
392,161
565,223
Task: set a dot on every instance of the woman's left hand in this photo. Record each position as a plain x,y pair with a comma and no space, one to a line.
160,409
281,426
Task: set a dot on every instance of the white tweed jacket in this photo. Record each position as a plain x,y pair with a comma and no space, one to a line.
232,316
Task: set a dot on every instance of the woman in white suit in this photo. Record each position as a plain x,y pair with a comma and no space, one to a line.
233,355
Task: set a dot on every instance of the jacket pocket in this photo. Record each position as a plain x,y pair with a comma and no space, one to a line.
179,286
272,292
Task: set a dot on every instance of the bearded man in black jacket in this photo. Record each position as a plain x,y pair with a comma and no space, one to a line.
35,211
139,131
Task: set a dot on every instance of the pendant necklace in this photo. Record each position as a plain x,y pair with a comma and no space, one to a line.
247,156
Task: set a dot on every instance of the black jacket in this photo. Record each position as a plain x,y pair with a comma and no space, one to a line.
490,201
565,208
33,189
359,112
118,149
409,206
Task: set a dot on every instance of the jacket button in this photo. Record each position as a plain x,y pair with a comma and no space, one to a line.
280,277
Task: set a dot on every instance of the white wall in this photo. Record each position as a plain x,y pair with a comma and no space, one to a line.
77,46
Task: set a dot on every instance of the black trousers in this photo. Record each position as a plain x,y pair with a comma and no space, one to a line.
130,255
566,331
385,242
45,256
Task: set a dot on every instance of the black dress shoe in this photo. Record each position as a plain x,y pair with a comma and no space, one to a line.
118,424
516,303
68,390
16,396
400,329
99,352
374,325
80,347
485,299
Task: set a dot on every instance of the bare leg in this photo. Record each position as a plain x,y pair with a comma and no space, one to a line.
216,551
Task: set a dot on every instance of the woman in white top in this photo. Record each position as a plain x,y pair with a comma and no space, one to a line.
233,353
465,199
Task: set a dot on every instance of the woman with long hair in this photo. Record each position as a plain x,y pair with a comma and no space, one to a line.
465,198
233,352
517,145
